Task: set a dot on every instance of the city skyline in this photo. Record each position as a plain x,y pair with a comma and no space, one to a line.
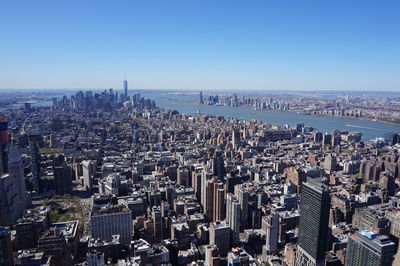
201,133
201,46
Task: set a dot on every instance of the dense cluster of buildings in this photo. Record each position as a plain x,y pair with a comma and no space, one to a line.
257,103
156,187
367,106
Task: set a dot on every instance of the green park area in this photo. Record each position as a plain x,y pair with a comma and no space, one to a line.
65,208
50,150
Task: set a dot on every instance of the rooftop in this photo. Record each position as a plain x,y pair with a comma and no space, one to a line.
68,228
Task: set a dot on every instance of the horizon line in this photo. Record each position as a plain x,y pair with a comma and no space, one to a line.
214,90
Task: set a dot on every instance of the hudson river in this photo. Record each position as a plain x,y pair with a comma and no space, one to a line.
189,103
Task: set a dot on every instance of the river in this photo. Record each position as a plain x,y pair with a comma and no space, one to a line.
188,103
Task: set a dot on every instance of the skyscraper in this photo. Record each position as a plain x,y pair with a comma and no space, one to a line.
201,99
205,177
272,233
317,136
16,172
219,205
88,169
367,248
235,139
196,181
35,161
183,176
62,176
243,196
157,223
3,146
217,165
215,200
126,89
220,236
233,215
9,208
107,220
326,139
313,226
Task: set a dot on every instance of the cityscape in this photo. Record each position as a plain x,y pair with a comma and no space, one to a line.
199,133
108,177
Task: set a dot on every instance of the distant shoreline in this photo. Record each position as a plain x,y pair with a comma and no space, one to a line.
359,118
318,115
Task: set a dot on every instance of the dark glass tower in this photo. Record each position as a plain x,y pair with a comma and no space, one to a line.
313,227
3,146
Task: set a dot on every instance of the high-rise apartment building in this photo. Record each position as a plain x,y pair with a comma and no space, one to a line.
157,223
219,209
16,172
215,200
205,177
220,235
367,248
107,220
62,175
326,139
243,196
217,165
183,176
235,139
272,233
233,211
10,210
196,181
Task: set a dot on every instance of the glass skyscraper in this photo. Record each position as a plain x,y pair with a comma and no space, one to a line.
313,226
126,89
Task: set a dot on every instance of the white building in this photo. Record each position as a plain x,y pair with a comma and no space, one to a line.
109,220
272,233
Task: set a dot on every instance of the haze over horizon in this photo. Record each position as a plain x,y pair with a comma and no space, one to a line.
205,45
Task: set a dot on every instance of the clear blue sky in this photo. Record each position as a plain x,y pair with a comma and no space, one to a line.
280,45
